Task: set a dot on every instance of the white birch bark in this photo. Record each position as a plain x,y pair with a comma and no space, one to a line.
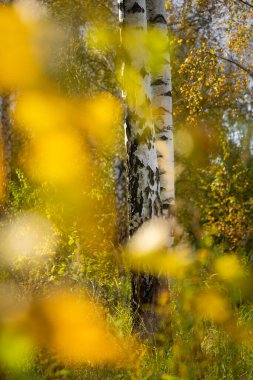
141,148
143,173
162,111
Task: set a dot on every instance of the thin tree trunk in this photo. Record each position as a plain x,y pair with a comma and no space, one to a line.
120,176
6,135
161,85
5,129
144,186
161,92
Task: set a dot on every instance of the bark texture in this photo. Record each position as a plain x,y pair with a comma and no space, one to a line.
144,186
6,134
161,93
143,173
120,176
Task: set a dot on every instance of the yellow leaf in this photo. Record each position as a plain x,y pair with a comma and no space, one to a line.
75,328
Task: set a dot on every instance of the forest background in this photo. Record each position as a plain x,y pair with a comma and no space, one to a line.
65,257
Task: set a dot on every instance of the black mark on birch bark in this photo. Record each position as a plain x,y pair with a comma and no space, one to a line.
159,19
158,82
136,8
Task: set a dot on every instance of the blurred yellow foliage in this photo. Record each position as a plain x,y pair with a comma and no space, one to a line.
135,89
229,268
100,117
56,157
212,306
141,45
147,251
60,131
29,234
101,38
152,236
39,112
184,143
157,44
147,46
75,328
19,66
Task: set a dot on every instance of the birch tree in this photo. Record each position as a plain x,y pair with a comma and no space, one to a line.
144,184
161,86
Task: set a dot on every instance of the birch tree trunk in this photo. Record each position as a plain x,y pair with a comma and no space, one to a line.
143,173
161,86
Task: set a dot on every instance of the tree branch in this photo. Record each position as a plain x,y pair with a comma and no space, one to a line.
246,3
236,63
